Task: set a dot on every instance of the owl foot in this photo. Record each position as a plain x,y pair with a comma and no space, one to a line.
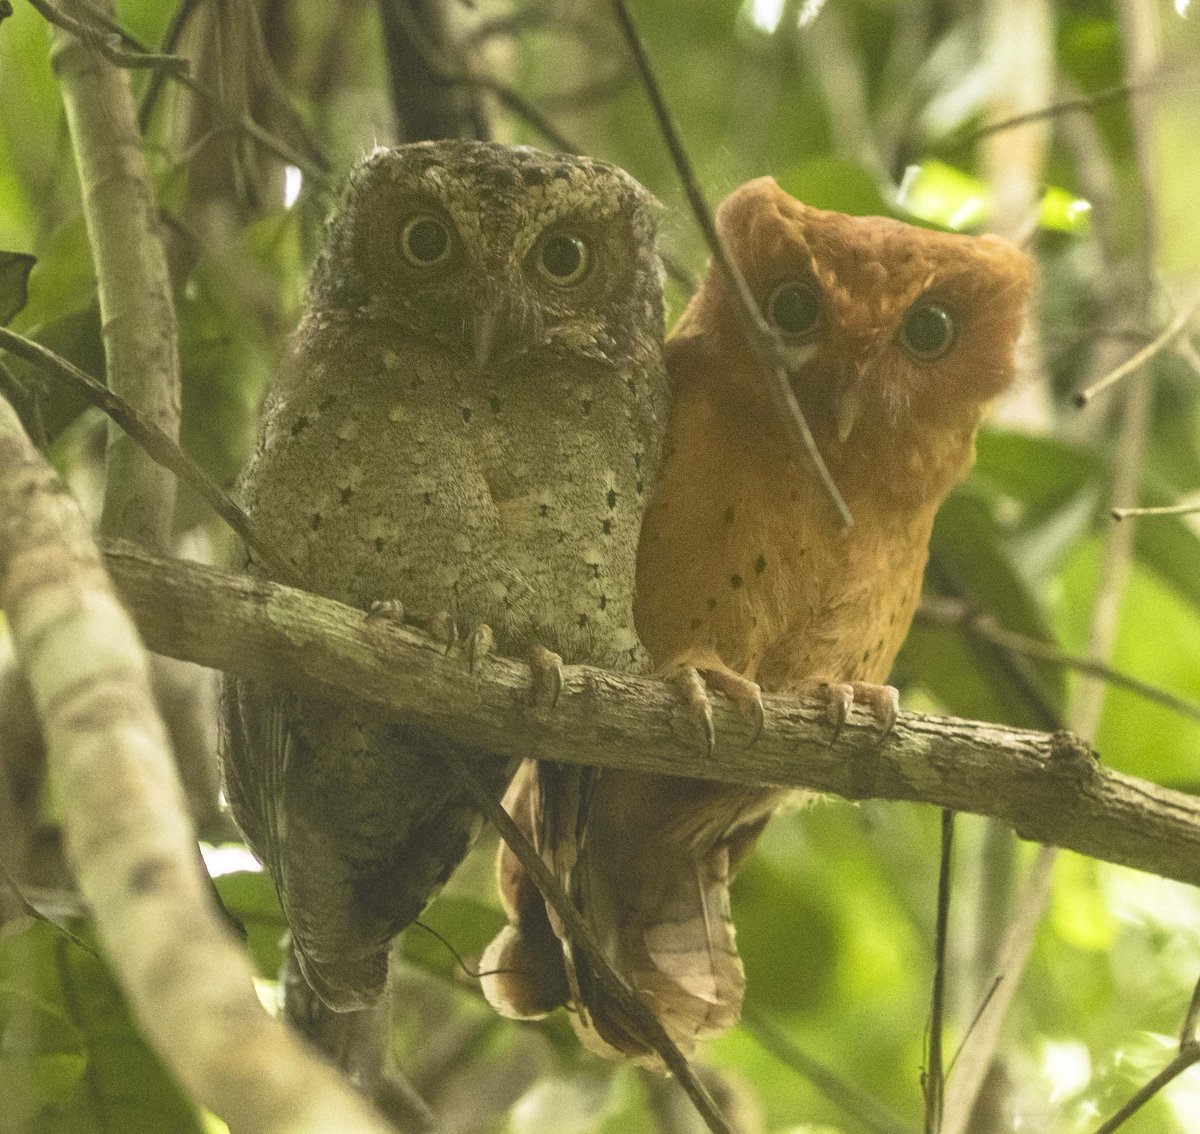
547,673
837,697
741,690
444,627
387,610
479,644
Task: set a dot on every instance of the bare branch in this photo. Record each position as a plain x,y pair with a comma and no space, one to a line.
161,447
1170,510
865,1110
1048,786
108,44
581,934
761,336
1176,327
951,612
934,1077
137,312
128,835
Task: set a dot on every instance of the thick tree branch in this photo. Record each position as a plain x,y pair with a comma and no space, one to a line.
137,313
128,835
1048,786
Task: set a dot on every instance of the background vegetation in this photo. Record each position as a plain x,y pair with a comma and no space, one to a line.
868,106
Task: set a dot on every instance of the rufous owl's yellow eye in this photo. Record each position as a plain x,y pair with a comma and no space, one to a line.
425,241
794,308
928,331
564,258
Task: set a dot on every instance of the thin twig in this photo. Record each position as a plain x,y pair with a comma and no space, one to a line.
316,171
762,338
1172,331
1169,510
32,911
1083,103
170,38
1187,1033
109,45
161,448
1189,1056
934,1078
867,1111
951,612
581,934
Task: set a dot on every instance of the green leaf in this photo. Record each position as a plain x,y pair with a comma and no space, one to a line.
249,895
63,1013
969,677
14,283
466,925
834,183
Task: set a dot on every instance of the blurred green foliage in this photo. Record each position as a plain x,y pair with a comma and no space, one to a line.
866,106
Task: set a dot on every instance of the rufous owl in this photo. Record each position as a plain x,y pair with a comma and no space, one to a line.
747,577
469,422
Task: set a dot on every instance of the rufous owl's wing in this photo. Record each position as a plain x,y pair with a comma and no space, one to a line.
648,860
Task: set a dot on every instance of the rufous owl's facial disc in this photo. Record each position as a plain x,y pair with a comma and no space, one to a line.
904,320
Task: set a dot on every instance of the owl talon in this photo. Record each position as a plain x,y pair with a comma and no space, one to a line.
444,627
884,703
547,672
690,683
479,645
387,610
743,692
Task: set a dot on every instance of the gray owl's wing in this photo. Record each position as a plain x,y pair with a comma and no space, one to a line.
261,757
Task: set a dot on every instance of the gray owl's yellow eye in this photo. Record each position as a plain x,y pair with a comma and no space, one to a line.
425,241
928,331
564,258
795,308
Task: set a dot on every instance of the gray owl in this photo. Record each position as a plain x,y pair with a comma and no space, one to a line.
469,421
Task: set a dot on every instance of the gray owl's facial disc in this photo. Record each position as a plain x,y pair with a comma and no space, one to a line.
489,296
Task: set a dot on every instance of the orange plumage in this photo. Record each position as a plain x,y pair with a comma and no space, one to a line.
745,572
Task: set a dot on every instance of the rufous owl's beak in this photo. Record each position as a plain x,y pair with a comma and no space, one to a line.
849,406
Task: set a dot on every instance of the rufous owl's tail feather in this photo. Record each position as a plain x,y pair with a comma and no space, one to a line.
647,860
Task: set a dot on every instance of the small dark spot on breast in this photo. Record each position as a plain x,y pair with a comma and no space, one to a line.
380,543
712,603
583,619
729,514
866,656
494,403
427,499
639,488
562,537
466,414
603,601
606,527
543,510
735,581
612,498
301,424
345,495
314,521
637,460
586,405
697,623
416,383
760,564
892,619
593,570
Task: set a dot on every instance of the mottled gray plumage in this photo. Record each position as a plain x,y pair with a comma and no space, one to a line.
474,435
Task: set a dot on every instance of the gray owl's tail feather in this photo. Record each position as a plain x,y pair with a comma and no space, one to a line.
647,860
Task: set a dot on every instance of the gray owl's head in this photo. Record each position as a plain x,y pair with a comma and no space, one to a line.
493,251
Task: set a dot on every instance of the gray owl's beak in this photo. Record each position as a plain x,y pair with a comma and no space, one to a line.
484,335
500,329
